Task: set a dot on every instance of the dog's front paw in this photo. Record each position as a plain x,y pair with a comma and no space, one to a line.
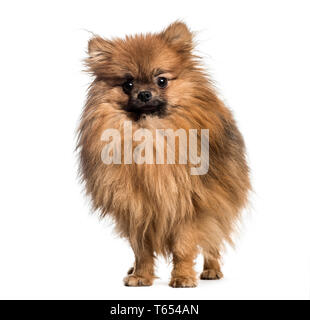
133,280
183,282
211,274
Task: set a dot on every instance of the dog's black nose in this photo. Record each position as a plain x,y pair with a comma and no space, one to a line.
145,96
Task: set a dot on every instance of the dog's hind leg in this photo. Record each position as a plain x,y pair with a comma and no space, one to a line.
211,267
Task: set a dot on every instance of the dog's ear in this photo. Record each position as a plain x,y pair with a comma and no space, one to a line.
179,36
99,46
99,54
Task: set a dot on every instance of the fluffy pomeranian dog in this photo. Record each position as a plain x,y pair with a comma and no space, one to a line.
156,82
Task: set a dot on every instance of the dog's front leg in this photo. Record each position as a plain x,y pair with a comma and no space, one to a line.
142,274
184,251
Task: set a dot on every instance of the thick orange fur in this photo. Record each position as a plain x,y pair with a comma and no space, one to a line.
162,209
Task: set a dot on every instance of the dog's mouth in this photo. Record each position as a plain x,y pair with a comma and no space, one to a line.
148,108
157,107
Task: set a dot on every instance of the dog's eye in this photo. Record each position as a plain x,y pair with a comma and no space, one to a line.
128,86
162,82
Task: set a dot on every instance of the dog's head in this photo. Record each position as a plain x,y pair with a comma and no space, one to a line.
147,73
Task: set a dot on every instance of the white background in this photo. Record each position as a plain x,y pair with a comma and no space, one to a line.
51,247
